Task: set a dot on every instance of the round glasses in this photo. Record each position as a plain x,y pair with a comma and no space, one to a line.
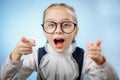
67,26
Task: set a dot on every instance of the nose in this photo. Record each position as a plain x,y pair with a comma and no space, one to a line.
58,29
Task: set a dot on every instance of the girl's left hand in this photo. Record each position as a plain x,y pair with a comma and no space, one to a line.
94,52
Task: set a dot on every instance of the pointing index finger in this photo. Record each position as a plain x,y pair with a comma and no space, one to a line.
98,43
30,41
23,39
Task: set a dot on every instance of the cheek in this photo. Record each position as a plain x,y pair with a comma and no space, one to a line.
69,38
72,35
48,36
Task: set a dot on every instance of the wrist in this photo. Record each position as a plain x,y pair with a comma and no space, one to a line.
101,61
15,57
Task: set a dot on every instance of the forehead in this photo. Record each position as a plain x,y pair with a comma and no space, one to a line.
58,8
59,13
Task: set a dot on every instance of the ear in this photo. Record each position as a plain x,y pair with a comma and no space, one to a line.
76,30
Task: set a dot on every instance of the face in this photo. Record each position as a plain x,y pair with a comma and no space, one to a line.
59,40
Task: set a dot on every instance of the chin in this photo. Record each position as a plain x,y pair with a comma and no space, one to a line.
59,50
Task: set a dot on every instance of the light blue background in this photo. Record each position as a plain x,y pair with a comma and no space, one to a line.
97,19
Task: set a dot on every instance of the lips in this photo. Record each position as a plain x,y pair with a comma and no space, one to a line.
59,42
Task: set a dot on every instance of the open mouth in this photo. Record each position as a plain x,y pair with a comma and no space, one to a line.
59,42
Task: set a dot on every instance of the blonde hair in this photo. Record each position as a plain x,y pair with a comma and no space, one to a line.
61,5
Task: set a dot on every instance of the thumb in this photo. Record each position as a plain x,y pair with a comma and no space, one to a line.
89,44
98,43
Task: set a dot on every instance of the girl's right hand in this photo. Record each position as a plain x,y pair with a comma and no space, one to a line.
23,47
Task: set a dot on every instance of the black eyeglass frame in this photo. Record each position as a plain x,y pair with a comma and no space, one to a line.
75,25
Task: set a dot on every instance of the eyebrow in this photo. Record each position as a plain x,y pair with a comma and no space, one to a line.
51,19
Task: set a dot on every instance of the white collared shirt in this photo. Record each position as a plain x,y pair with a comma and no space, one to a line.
91,71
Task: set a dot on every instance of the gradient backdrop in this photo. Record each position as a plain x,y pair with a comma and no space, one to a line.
97,19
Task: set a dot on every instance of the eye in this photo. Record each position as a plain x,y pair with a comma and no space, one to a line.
67,25
51,24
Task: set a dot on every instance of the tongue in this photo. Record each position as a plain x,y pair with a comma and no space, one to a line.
59,44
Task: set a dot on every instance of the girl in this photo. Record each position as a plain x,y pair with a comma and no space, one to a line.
63,59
